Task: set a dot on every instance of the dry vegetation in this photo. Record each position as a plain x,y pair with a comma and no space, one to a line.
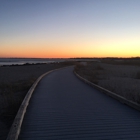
119,76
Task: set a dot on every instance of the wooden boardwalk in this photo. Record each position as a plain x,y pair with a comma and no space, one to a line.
63,107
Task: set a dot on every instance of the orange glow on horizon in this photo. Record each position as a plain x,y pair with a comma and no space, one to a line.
57,54
72,50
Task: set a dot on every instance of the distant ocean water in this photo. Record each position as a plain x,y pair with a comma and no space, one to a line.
22,61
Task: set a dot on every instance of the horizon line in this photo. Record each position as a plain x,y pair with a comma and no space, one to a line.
67,58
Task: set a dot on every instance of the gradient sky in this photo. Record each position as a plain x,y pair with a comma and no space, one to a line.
69,28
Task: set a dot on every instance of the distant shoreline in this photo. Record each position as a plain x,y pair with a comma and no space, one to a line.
21,61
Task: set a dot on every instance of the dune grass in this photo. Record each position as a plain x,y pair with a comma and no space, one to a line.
89,71
120,77
12,95
138,75
122,61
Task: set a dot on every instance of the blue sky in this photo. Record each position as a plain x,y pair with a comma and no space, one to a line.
69,28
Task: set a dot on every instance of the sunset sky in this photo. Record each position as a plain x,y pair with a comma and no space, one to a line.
69,28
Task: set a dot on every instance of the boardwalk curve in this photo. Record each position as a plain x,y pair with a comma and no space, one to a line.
63,107
16,126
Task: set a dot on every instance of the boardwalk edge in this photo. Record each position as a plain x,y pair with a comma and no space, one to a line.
16,126
111,94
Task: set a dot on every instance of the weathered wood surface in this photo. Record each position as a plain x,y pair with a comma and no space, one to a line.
63,107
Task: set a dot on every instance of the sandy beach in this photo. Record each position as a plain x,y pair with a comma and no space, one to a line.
15,81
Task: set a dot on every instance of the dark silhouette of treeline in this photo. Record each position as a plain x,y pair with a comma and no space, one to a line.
113,60
106,58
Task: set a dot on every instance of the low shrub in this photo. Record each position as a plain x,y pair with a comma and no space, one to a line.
88,73
138,75
99,68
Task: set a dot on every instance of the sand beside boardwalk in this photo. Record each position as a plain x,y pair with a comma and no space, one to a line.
14,84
